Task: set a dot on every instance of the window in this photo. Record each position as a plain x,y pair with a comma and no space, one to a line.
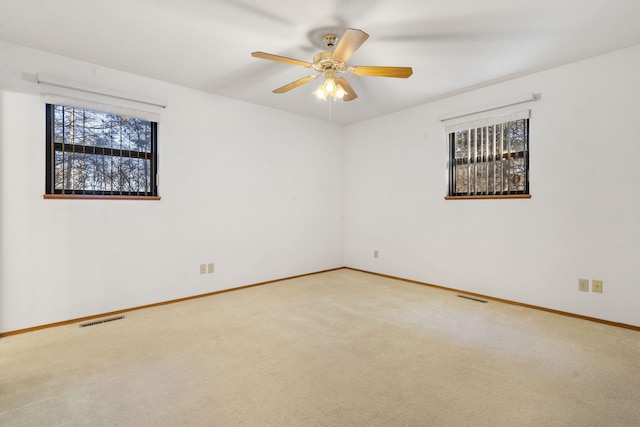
91,153
490,158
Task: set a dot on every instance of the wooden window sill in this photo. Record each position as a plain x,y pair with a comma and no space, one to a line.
91,197
501,196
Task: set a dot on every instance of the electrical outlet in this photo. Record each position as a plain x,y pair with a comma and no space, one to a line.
375,253
596,286
583,285
210,267
203,268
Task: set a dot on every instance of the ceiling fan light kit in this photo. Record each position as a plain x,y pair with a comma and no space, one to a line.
330,88
332,62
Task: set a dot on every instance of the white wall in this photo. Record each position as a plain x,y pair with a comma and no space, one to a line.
583,219
254,190
260,193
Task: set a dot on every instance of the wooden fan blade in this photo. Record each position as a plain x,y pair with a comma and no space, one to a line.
293,85
348,44
351,94
400,72
281,59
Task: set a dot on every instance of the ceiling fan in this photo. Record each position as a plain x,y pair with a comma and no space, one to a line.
333,62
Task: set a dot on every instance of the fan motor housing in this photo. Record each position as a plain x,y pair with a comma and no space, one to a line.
323,62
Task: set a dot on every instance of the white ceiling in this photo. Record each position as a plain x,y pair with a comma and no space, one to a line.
452,45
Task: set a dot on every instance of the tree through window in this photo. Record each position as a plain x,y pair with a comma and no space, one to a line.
100,154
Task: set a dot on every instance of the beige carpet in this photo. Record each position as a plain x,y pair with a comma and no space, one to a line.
341,348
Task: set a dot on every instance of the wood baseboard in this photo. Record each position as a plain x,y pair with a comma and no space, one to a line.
112,313
534,307
125,310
